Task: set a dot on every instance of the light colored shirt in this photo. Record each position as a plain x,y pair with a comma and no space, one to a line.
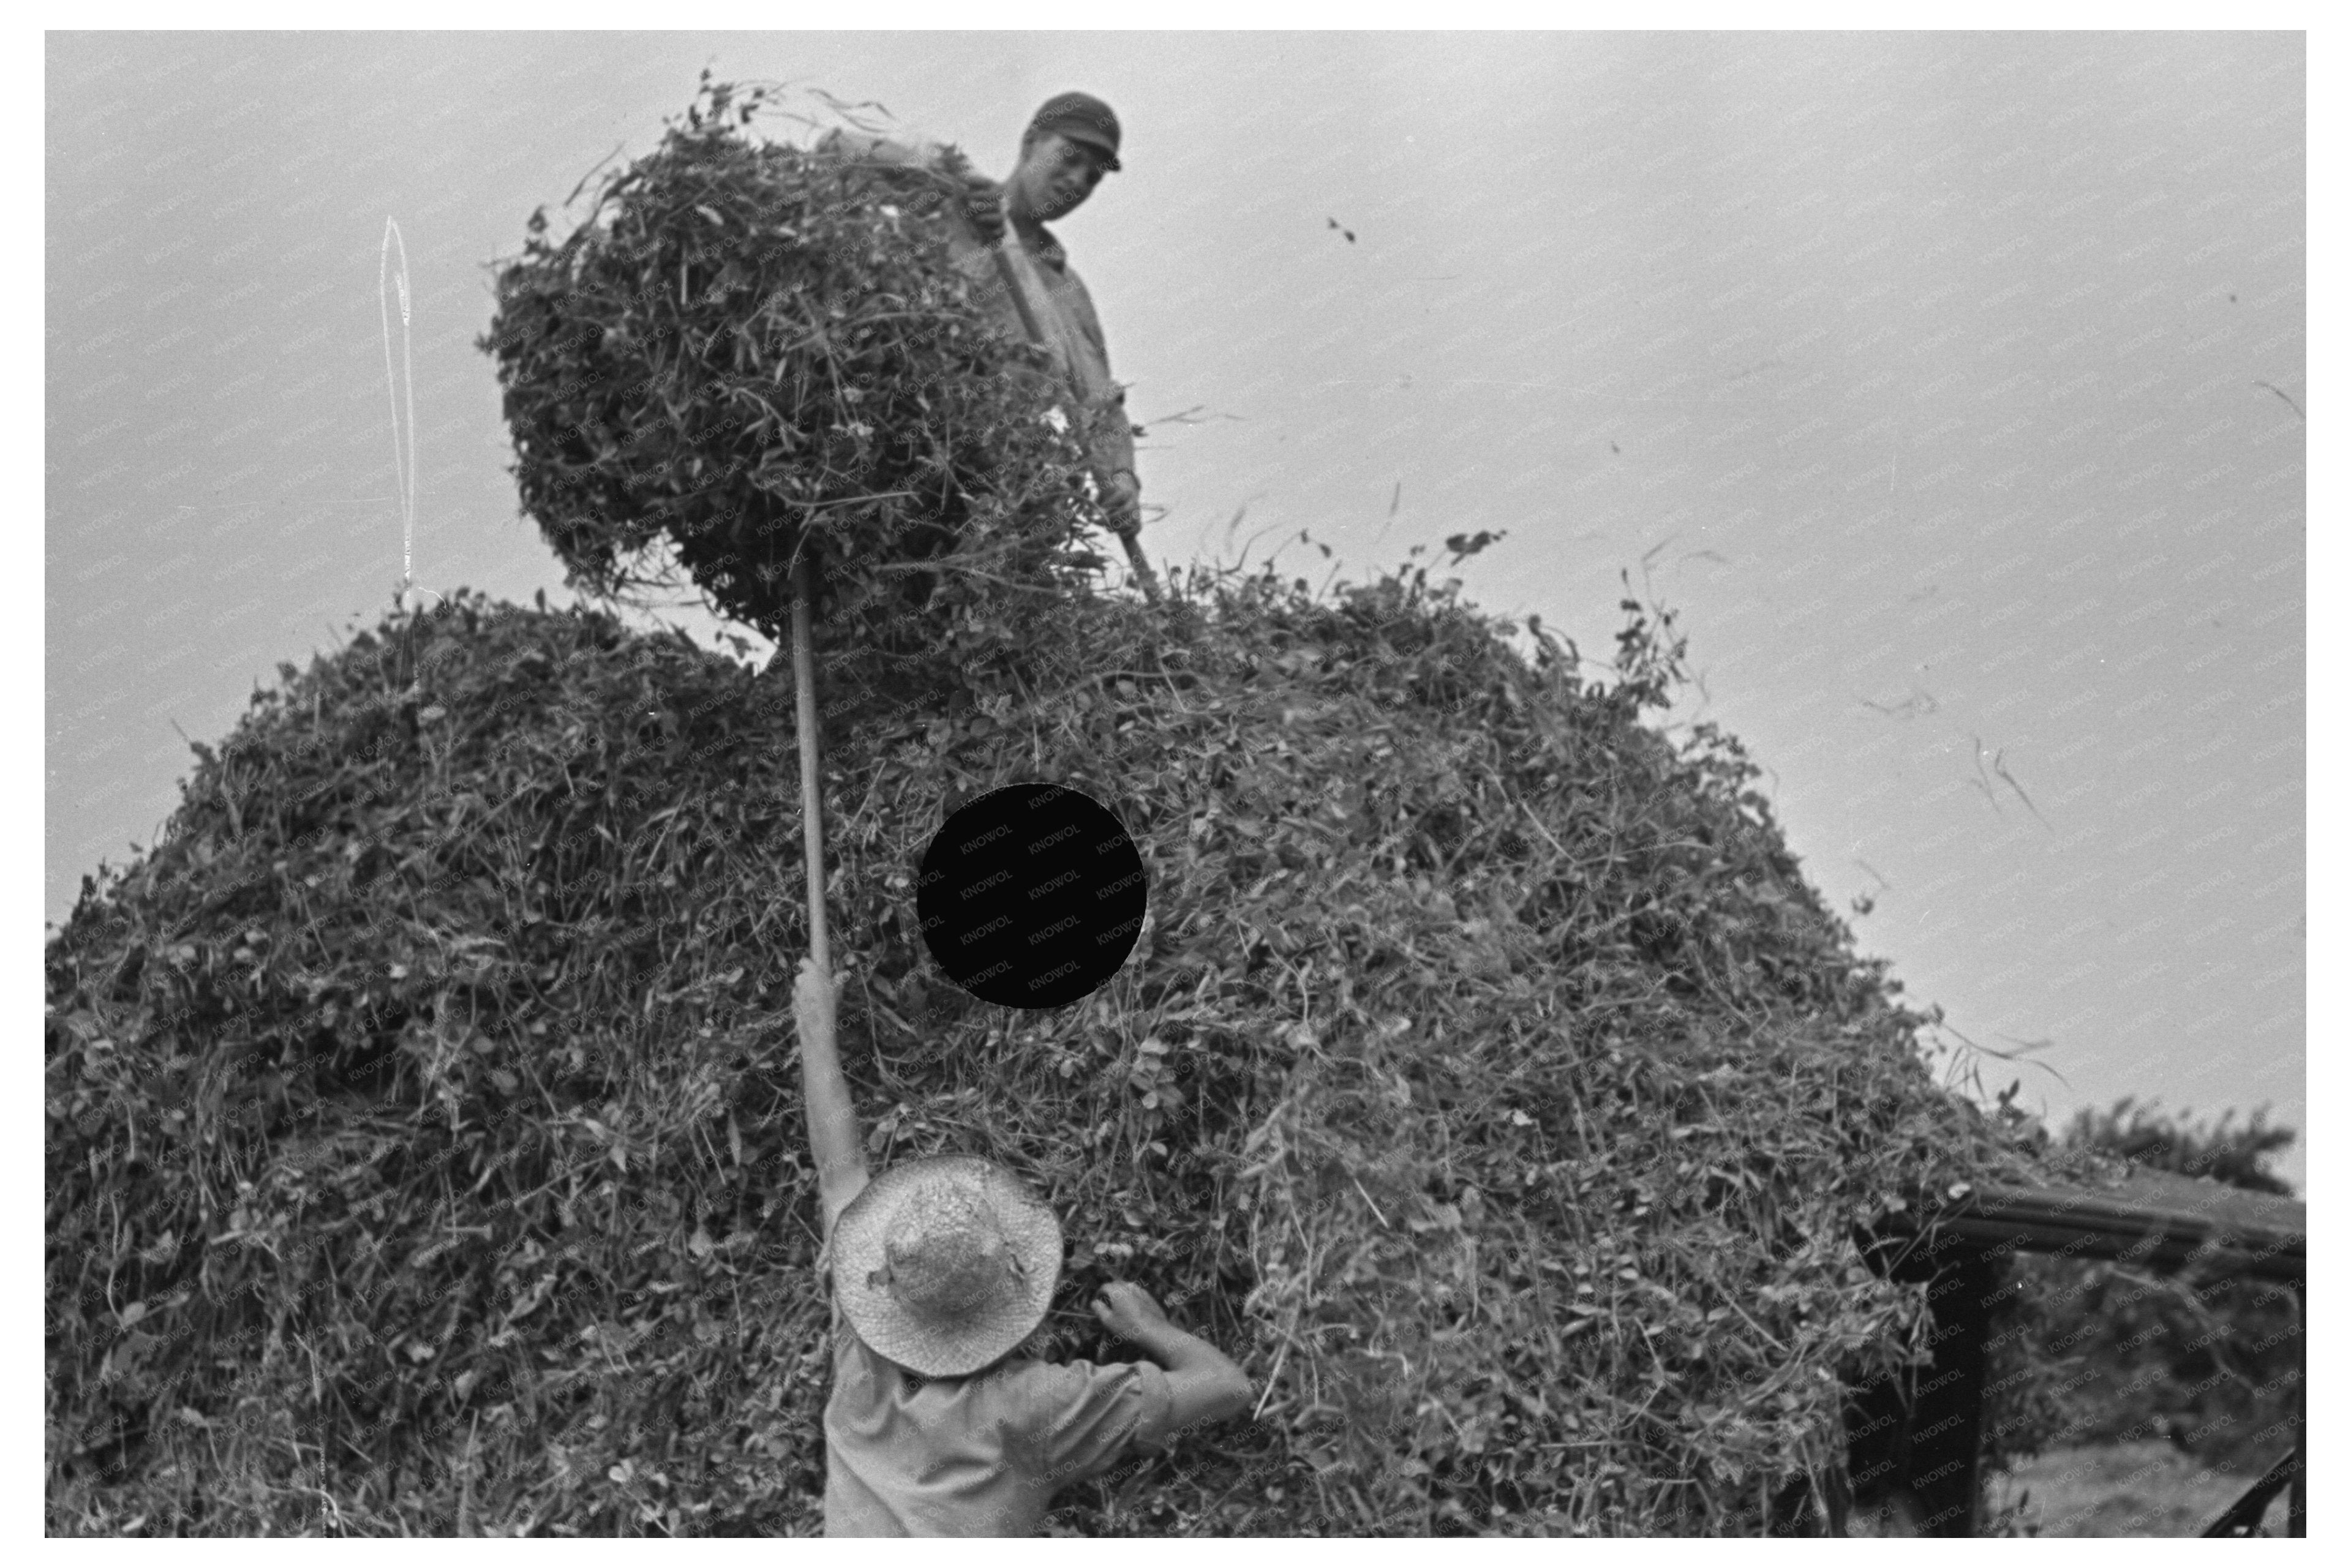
1056,295
975,1455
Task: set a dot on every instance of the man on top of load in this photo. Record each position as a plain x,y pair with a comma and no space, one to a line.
1071,143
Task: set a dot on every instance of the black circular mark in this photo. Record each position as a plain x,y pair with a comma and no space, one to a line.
1031,896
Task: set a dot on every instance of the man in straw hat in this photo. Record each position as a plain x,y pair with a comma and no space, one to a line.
943,1270
1071,143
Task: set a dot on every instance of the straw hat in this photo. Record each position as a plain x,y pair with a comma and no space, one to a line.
943,1264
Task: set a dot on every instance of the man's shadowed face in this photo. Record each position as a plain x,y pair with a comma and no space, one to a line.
1055,176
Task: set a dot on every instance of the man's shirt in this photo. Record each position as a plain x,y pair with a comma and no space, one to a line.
975,1455
1056,296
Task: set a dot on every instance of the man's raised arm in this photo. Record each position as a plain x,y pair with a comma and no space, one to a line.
983,202
856,146
834,1141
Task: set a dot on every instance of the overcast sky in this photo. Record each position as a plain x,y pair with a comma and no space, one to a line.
1948,386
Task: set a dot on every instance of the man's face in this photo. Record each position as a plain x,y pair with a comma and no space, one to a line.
1055,176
